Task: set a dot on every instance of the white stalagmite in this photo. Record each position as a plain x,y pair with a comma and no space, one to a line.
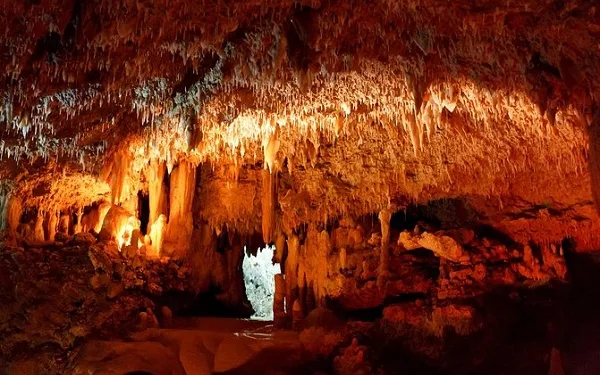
180,226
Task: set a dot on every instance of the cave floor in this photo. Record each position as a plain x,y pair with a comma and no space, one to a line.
196,346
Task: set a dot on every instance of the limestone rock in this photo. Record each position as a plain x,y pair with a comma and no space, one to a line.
408,241
83,239
114,289
441,245
99,281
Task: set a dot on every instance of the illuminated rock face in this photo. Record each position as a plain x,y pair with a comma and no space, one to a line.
157,236
180,225
118,225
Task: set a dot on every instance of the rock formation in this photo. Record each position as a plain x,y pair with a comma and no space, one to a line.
410,160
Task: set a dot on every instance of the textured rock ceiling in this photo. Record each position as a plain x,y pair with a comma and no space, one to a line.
355,104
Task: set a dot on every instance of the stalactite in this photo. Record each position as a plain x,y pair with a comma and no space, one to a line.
180,225
116,174
384,256
268,204
280,248
156,190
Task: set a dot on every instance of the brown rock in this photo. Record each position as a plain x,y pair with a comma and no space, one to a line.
114,289
99,281
155,289
83,239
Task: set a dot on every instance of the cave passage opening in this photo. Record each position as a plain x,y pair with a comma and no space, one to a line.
259,272
144,212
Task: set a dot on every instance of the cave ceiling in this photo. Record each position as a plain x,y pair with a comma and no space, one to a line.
353,105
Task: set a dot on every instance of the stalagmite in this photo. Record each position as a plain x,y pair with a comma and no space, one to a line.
95,218
180,226
297,314
157,236
343,258
13,216
131,249
279,316
156,191
78,227
268,204
64,223
291,268
384,256
118,225
38,231
51,224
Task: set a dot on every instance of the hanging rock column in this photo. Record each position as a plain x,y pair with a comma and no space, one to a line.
268,202
180,225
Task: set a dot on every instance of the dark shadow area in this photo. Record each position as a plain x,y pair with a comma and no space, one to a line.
204,304
144,211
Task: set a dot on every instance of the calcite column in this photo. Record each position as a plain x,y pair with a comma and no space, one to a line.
279,316
103,209
291,269
38,230
297,314
13,216
156,191
385,216
180,226
64,223
116,173
268,203
157,236
51,224
77,228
